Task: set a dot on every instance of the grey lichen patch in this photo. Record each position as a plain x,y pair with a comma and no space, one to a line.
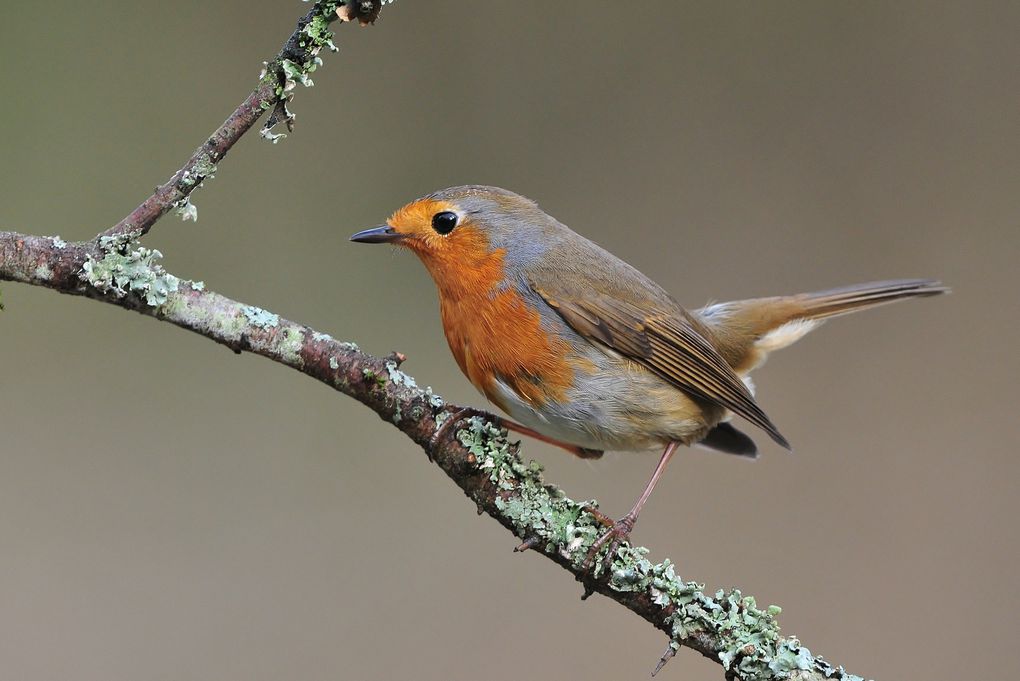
263,319
321,337
398,377
270,136
186,209
746,639
43,272
334,363
123,270
58,242
349,347
434,400
197,285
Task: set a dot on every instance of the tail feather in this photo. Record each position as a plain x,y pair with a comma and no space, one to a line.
748,330
837,301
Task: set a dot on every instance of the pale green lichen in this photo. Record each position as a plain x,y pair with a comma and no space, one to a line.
321,337
318,33
290,346
534,508
43,272
746,639
334,364
263,319
58,242
203,169
287,72
371,375
197,286
298,73
122,271
298,65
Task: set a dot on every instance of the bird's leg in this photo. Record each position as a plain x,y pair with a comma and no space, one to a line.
619,531
580,452
461,414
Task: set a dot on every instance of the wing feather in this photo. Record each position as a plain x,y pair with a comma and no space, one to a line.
667,342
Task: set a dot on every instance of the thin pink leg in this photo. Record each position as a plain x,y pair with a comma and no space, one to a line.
580,452
466,412
619,531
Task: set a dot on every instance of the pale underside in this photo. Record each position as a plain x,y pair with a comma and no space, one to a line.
621,406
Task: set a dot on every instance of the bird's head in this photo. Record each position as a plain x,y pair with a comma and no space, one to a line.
467,236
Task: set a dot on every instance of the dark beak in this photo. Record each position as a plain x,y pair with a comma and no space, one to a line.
383,234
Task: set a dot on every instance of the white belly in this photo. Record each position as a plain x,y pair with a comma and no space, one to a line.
618,406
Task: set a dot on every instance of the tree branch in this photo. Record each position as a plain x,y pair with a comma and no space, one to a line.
726,627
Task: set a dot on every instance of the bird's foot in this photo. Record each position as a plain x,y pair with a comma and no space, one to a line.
453,419
618,532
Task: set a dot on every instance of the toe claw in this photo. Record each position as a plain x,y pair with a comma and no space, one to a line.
617,533
452,420
598,515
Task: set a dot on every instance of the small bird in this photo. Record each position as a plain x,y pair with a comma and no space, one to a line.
585,352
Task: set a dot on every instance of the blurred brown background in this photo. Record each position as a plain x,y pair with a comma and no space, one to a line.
169,510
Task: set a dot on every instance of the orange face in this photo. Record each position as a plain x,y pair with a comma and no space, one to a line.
460,261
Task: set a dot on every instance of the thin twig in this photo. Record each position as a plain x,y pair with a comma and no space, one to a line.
297,59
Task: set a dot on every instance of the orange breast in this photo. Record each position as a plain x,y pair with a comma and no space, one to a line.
497,335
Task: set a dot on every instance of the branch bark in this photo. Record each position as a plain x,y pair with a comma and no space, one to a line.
726,627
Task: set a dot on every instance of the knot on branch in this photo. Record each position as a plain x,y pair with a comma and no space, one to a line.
362,11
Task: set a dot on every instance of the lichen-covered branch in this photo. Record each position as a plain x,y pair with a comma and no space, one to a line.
725,626
294,64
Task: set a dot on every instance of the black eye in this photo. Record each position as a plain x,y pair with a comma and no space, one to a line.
444,222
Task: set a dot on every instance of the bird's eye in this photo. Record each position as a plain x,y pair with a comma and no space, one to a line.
444,222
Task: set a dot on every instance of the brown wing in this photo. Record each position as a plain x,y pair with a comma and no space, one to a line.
667,343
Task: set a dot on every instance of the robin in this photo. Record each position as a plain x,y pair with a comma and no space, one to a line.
585,352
